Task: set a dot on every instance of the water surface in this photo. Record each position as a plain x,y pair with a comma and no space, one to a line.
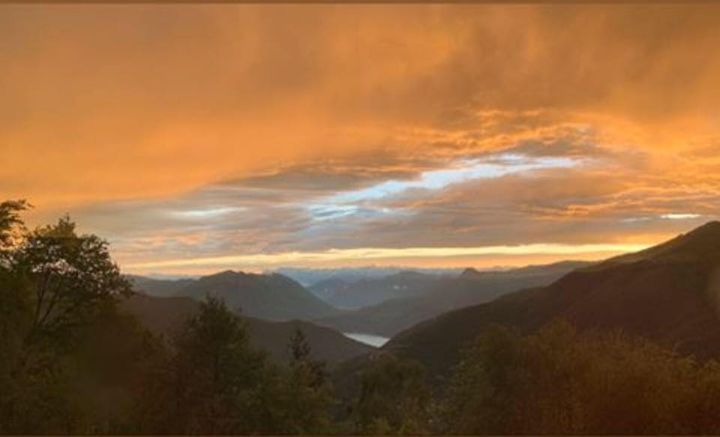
369,339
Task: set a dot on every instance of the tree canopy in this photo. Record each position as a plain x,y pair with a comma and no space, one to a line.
559,381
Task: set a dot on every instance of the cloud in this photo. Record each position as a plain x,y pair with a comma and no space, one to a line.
578,190
180,96
679,216
194,131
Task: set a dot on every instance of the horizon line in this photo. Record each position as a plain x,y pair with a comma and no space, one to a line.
306,259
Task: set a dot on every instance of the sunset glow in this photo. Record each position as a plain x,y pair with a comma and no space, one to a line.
372,255
204,137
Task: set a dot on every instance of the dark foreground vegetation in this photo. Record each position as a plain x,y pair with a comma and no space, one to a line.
72,362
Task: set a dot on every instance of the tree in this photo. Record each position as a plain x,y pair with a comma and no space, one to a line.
58,291
11,225
306,391
14,301
482,394
73,279
559,381
214,383
394,398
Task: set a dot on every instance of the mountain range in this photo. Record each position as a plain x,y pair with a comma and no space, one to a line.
311,276
669,293
354,294
435,295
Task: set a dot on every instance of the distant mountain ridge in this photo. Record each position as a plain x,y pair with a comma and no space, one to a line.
446,294
309,277
159,287
668,293
343,293
270,297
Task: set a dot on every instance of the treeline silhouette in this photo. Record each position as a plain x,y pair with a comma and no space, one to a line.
73,363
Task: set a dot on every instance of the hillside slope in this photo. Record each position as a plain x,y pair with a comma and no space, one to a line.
163,316
668,293
270,297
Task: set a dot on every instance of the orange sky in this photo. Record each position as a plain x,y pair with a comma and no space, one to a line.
196,137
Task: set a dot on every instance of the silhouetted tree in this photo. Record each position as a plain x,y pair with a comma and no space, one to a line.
57,291
560,382
73,278
307,395
11,224
214,383
394,398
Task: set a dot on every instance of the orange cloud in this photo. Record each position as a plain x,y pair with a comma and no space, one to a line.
126,114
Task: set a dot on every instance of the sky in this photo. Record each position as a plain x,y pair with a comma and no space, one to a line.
196,138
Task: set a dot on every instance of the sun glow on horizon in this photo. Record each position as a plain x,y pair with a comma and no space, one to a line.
331,256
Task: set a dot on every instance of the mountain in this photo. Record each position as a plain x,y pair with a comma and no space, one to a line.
668,293
328,288
327,344
163,316
159,287
271,297
160,315
343,293
309,276
445,294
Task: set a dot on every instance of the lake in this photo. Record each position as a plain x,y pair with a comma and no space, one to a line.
369,339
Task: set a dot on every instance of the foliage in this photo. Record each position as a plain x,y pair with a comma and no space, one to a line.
394,398
307,394
562,382
11,225
216,383
57,292
73,278
213,383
